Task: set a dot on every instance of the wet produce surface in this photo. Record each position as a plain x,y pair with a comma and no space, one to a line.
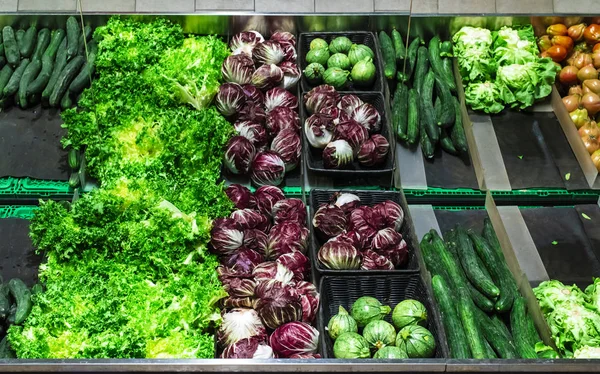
18,259
449,171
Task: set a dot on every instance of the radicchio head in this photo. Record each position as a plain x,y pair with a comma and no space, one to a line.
374,261
248,348
238,324
295,338
278,303
286,237
329,221
253,131
320,98
288,146
237,69
239,154
368,116
318,129
281,118
266,197
373,151
289,210
267,169
391,213
352,132
245,42
278,96
240,196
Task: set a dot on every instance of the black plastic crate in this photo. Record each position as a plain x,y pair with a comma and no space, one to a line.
369,198
314,156
357,37
389,290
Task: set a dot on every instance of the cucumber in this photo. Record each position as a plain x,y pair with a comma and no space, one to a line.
399,48
456,278
64,80
489,234
83,79
452,323
532,335
466,311
5,349
427,146
73,32
520,330
22,296
87,34
470,266
2,56
12,86
436,62
32,70
503,347
498,269
446,49
19,34
48,58
74,179
28,42
497,321
400,111
427,111
4,301
458,136
73,158
388,54
413,124
480,299
489,351
437,108
447,115
5,75
11,49
411,58
43,41
59,65
421,68
431,259
446,143
66,102
447,66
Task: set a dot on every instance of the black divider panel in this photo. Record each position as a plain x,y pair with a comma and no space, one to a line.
449,171
469,219
30,144
17,256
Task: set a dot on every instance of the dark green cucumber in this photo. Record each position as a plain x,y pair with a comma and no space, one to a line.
4,301
498,269
447,66
66,102
448,261
73,32
2,56
19,34
455,333
43,41
503,347
489,234
450,240
74,179
532,334
446,143
399,48
436,62
447,115
431,259
411,58
489,351
65,78
482,301
48,58
421,69
22,296
466,311
6,351
5,75
427,112
400,111
520,331
28,42
12,86
437,108
497,321
59,65
413,124
388,54
73,158
11,49
458,136
427,146
470,265
83,79
87,34
446,49
32,70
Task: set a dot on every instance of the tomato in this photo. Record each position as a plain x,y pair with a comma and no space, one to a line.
591,34
544,43
557,29
576,32
590,128
564,41
557,53
596,47
572,102
579,117
596,159
591,143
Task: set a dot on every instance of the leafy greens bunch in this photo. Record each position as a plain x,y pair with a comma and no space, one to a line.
502,68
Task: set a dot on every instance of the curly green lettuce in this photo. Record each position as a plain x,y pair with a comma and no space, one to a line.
488,96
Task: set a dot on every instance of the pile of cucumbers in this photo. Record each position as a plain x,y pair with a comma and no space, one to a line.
15,306
424,105
483,313
51,67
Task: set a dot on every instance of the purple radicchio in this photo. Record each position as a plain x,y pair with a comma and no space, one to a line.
251,219
286,237
368,116
320,98
255,132
245,42
253,94
349,102
287,145
267,169
387,242
252,112
256,240
352,132
364,222
248,348
374,151
297,263
278,303
295,338
329,221
237,302
267,77
280,97
318,130
284,38
339,255
273,270
360,242
268,52
392,214
346,201
266,197
309,297
281,118
239,287
338,116
237,69
289,210
240,324
291,74
243,261
225,241
230,99
225,223
338,155
374,261
289,53
240,196
239,155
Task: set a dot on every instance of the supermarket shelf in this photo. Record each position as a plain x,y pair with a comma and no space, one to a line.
17,211
29,191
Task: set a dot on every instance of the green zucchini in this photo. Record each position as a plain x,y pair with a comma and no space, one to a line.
466,311
400,111
503,347
452,324
65,78
520,331
48,58
413,124
12,86
421,69
399,48
436,63
388,54
73,32
446,49
32,70
411,58
73,158
5,75
6,351
458,136
74,180
11,49
448,261
22,296
447,115
28,42
83,79
43,40
498,269
59,65
470,266
87,34
427,111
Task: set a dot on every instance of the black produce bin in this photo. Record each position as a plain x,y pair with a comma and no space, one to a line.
356,173
357,37
369,198
389,290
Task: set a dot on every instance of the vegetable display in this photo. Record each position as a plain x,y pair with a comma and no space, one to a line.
15,306
361,237
378,338
483,314
256,97
502,68
340,64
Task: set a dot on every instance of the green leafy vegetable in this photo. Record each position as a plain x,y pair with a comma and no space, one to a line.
488,96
